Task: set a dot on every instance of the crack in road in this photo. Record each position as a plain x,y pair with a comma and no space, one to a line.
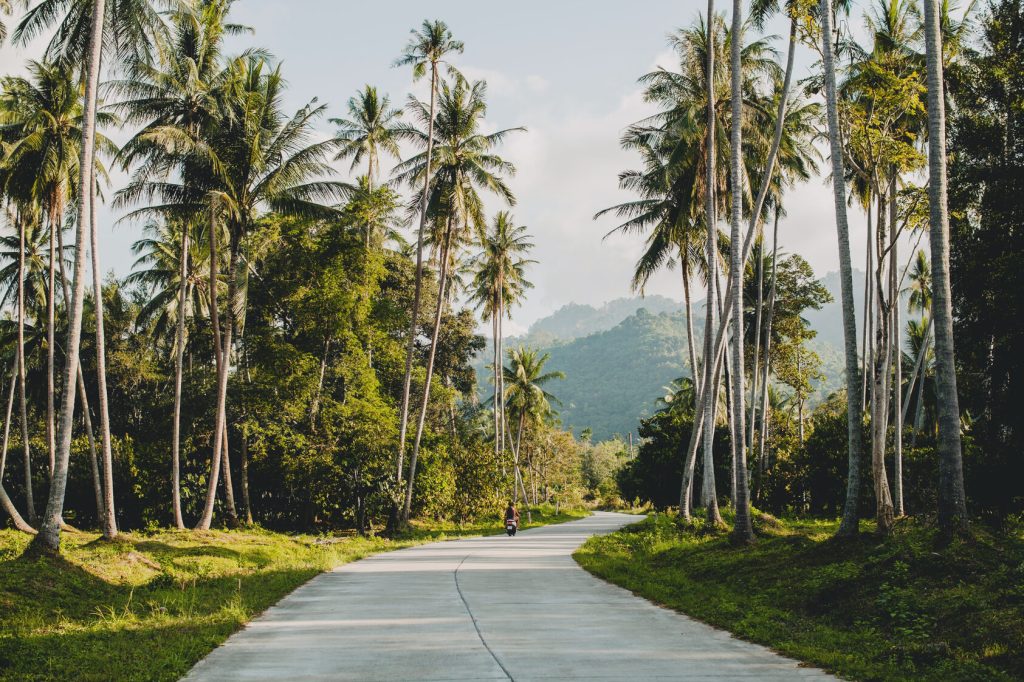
476,625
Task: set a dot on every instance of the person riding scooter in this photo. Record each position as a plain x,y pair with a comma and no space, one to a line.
511,519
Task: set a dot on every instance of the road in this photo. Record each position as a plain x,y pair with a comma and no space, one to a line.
494,608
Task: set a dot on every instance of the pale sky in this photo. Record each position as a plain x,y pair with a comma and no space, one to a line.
565,69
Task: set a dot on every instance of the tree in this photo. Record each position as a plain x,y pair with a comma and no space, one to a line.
372,128
466,163
499,283
524,379
952,497
426,50
850,522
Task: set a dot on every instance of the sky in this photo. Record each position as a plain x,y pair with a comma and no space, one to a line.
565,69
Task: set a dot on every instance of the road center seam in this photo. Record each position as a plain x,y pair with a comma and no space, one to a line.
476,625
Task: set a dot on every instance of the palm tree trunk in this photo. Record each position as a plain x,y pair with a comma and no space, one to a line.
435,340
417,295
755,371
770,318
222,376
179,354
881,366
897,356
229,488
692,352
501,374
244,450
109,515
83,395
51,295
5,501
869,301
952,497
849,525
918,372
49,532
497,369
743,531
22,403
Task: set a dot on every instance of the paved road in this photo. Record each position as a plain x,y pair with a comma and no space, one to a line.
495,608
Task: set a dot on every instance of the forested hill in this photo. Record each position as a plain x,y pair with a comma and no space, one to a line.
618,357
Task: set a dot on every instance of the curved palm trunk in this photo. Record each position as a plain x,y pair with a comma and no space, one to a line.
109,515
869,301
51,294
765,371
952,498
894,341
206,520
435,339
5,501
417,295
743,531
755,371
691,351
918,372
497,369
22,403
179,355
83,395
49,531
849,525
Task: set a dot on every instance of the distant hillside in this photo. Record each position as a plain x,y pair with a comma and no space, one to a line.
574,320
618,357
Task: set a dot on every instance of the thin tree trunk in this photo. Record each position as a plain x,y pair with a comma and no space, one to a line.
849,525
952,497
49,531
5,501
882,364
743,530
179,354
84,397
770,318
755,371
222,377
229,488
497,369
109,516
51,296
918,368
246,500
22,403
869,301
894,293
417,295
692,352
435,340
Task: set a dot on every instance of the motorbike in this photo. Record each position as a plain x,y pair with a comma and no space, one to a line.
511,526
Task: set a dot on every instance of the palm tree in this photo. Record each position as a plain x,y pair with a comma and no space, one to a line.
499,283
372,128
425,51
5,9
850,523
252,157
952,497
524,380
465,163
175,100
130,26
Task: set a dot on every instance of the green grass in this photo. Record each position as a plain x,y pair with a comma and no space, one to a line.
867,609
148,606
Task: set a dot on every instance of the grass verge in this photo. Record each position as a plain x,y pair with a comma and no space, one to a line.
867,609
147,607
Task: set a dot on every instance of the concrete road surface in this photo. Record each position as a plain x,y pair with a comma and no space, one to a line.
495,608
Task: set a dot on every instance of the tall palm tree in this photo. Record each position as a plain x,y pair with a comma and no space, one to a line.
952,497
499,283
371,129
175,99
256,158
850,523
130,26
425,52
5,9
465,164
524,379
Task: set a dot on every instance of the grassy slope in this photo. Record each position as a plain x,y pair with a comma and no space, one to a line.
868,609
147,607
